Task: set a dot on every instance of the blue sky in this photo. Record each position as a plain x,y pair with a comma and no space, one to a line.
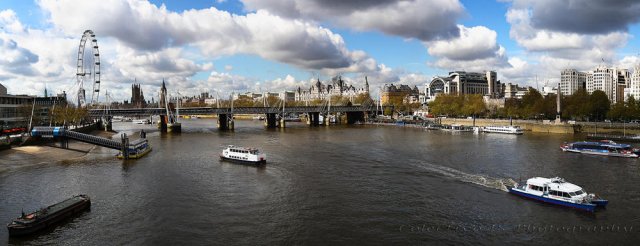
248,45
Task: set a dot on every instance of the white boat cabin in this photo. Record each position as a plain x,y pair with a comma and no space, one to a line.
556,188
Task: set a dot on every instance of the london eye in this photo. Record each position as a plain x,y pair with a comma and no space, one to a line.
88,72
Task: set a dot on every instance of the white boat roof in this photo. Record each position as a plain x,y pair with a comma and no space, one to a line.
556,183
240,148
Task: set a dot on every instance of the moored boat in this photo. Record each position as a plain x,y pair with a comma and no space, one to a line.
136,149
604,147
43,218
243,155
456,128
142,121
559,192
503,129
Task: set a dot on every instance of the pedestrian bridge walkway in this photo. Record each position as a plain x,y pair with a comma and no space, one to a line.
127,149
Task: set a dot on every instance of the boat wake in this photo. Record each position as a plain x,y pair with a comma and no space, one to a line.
485,181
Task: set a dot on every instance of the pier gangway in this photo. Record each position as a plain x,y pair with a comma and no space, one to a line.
59,132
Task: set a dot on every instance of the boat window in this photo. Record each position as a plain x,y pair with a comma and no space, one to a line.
572,194
564,194
580,192
553,192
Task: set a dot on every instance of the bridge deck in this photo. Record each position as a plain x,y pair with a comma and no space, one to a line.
239,110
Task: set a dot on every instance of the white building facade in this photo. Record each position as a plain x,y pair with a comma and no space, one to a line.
461,82
572,80
634,84
612,81
336,87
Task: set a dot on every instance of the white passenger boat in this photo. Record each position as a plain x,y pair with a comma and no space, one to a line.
558,191
503,129
456,128
142,121
243,155
603,147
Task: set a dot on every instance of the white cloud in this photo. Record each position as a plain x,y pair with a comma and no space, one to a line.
15,59
142,25
474,43
9,21
475,50
425,20
550,45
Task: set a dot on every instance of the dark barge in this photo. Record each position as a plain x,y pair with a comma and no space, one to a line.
43,218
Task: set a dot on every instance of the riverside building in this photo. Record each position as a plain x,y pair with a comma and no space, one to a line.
634,84
461,82
612,81
572,80
336,87
16,109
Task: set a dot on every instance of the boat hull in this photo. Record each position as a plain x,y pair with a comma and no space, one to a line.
633,155
243,161
17,230
135,156
508,133
585,207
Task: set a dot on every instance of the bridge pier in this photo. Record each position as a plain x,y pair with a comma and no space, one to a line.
313,119
163,123
125,143
282,122
225,122
64,143
270,120
105,123
353,117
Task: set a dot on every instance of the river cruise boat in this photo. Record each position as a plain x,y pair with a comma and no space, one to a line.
516,130
456,128
433,127
559,192
604,147
45,217
243,155
142,121
136,149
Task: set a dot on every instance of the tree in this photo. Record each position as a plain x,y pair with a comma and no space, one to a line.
512,108
449,105
577,105
599,104
532,103
473,105
550,107
632,108
243,102
362,98
618,111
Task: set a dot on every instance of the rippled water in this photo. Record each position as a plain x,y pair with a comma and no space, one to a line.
326,185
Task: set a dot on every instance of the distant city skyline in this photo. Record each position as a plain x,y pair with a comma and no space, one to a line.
225,46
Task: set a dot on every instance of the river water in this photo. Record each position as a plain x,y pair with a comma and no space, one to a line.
326,185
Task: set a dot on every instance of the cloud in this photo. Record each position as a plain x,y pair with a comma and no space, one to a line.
582,16
144,26
475,49
15,59
553,43
9,21
156,65
474,43
425,20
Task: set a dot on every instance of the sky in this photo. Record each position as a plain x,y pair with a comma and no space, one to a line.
234,46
